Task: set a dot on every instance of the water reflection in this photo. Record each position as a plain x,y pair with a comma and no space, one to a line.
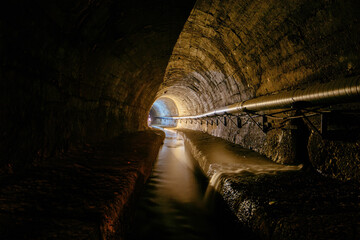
172,205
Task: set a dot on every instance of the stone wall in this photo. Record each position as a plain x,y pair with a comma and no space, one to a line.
230,51
83,71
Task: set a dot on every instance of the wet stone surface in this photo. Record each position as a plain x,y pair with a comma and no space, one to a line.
84,194
294,205
277,204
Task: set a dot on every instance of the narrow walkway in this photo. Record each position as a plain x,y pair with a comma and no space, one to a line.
173,205
271,200
86,193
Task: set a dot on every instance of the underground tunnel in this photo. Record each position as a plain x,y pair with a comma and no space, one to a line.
161,112
104,102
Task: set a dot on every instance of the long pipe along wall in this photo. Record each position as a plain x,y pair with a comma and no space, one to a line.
346,91
280,77
75,73
327,96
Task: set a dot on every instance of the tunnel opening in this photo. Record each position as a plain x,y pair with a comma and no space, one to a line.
78,90
162,112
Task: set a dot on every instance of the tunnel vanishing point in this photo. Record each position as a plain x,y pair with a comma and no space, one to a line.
280,77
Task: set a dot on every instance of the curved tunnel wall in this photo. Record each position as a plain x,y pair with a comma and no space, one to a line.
74,72
231,51
80,71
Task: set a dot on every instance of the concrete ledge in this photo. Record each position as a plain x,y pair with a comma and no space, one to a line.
84,194
277,204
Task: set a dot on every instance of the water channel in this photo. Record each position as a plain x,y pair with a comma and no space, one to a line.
173,205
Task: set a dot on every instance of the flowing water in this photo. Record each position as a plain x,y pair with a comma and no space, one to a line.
173,205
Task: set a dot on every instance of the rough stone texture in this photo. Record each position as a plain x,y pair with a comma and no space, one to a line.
80,71
244,49
230,51
84,71
282,145
249,136
86,193
335,153
337,159
74,72
294,205
280,141
280,204
279,146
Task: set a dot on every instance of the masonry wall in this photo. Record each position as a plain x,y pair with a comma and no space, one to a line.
76,72
230,51
79,71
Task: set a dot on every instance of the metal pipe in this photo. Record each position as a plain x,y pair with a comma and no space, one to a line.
344,91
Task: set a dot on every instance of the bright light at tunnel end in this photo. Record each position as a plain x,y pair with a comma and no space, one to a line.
163,107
